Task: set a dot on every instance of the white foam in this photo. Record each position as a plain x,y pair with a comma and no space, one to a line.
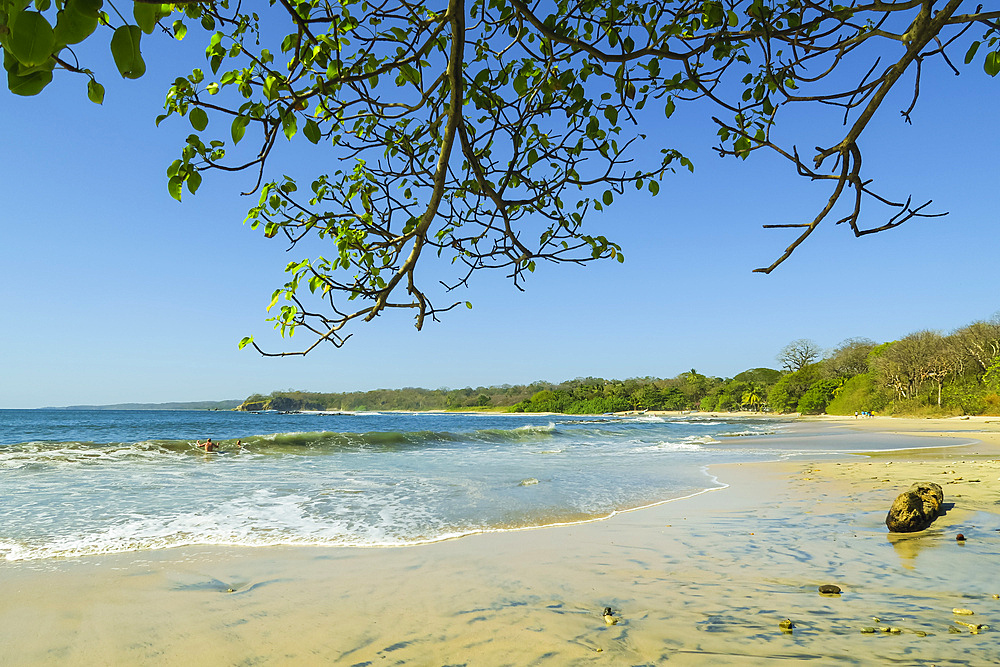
530,428
667,447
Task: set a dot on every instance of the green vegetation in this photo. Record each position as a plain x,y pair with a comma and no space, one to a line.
579,396
486,134
924,373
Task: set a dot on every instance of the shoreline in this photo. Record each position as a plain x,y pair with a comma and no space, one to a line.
704,577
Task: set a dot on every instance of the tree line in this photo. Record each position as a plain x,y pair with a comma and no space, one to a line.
924,373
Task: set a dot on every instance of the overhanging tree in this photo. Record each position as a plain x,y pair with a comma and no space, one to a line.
483,132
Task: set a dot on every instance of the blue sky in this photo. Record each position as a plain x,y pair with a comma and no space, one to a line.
114,292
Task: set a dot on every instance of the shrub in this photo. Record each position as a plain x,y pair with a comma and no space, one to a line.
815,400
859,394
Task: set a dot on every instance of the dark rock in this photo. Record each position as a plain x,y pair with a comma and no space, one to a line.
916,508
829,589
960,537
609,616
932,495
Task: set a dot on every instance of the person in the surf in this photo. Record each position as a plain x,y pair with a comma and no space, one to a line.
208,445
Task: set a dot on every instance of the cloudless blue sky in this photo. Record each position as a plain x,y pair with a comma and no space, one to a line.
114,292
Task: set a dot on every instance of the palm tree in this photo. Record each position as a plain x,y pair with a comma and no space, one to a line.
751,399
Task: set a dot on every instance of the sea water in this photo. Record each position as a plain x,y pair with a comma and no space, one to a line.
75,483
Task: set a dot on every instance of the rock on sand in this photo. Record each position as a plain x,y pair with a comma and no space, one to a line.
915,508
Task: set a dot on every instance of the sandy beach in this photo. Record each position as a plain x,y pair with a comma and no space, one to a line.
702,580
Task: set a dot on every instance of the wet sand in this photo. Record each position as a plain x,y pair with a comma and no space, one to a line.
705,580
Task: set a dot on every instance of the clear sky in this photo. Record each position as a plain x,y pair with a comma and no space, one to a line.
114,292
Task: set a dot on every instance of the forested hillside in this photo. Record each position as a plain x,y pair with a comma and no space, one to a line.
923,373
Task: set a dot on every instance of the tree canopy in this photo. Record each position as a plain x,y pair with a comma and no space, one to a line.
483,134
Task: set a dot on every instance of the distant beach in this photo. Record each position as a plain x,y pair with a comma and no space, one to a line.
706,579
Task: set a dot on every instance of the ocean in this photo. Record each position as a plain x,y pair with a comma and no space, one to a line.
76,482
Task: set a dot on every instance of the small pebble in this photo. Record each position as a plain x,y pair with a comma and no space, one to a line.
867,630
963,612
960,537
786,625
972,626
953,630
920,633
829,589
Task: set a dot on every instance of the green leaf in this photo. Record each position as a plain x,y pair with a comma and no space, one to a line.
608,197
179,29
611,113
713,14
174,187
239,128
992,63
289,125
668,109
654,188
312,131
410,74
468,304
125,50
198,118
193,182
28,85
86,7
95,92
145,16
971,53
32,39
520,85
271,88
742,147
246,340
77,21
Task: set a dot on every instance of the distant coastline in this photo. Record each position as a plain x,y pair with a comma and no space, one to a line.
185,405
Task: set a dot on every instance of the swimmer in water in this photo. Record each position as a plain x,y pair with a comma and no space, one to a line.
208,445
